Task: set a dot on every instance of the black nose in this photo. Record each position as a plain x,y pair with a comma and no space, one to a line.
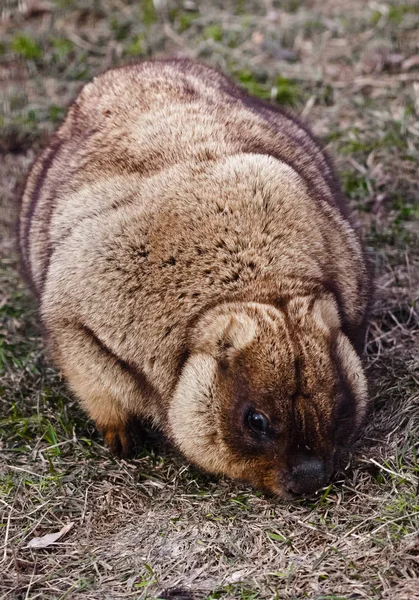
307,475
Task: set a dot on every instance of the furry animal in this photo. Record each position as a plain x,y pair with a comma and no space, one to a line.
196,269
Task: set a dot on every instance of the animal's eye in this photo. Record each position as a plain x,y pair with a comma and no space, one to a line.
257,422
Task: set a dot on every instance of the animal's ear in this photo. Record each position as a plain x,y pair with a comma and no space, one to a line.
324,310
223,334
326,313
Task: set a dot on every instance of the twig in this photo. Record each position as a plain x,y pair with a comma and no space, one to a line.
7,536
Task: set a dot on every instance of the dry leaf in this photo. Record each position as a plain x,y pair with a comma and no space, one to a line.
49,538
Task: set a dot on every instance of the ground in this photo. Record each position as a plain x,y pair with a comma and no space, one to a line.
155,527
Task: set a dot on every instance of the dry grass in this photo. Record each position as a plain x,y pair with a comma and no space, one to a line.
154,527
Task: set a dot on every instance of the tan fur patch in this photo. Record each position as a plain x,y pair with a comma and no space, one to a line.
192,423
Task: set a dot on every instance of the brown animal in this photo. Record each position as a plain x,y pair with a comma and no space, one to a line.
196,270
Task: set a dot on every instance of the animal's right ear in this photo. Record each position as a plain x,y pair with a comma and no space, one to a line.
223,334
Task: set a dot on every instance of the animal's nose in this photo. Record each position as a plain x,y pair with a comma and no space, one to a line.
307,475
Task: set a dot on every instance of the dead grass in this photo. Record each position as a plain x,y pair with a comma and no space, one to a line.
154,527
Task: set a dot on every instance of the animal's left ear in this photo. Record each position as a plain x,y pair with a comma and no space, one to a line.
224,333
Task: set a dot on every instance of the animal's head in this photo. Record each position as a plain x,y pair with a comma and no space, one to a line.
269,395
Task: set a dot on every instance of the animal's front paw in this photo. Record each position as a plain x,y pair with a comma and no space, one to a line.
124,440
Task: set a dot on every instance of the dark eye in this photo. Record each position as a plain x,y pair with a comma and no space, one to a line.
257,422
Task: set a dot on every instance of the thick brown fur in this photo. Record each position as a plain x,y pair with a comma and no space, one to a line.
194,260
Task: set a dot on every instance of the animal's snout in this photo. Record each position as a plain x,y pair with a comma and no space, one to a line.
307,474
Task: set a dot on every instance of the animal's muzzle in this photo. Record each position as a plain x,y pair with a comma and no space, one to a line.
307,474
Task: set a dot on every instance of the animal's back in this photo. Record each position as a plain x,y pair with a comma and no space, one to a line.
141,120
